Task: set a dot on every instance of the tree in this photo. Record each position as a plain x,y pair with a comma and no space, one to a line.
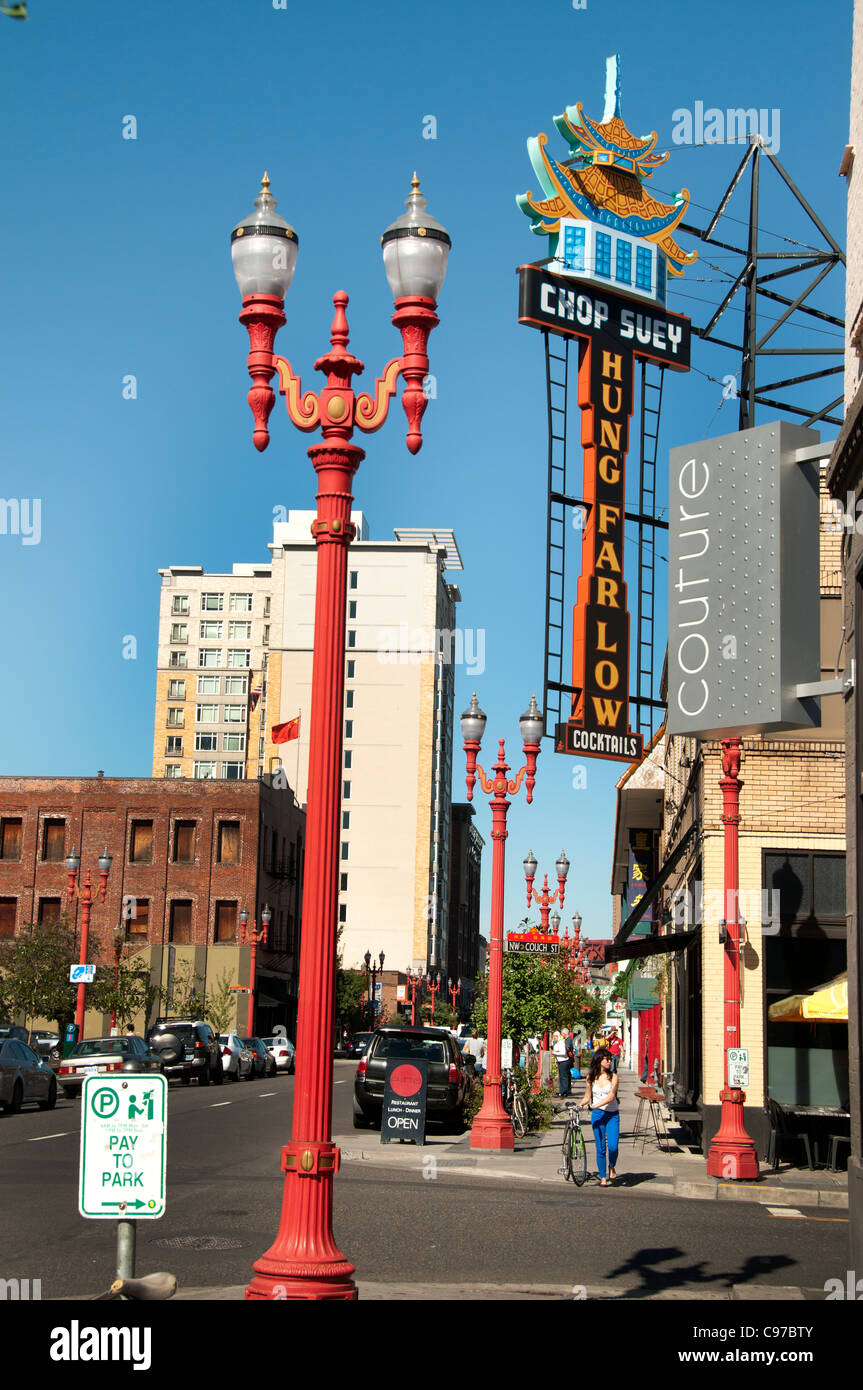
183,996
538,993
220,1005
350,987
35,969
124,991
15,10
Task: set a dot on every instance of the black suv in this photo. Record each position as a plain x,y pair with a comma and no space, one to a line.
188,1047
448,1076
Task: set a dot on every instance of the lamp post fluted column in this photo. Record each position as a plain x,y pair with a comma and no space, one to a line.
305,1262
492,1128
84,895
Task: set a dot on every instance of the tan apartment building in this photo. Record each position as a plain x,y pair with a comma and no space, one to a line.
235,659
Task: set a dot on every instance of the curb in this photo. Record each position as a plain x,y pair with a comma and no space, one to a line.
424,1292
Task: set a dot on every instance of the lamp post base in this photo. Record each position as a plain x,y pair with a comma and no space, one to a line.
297,1287
492,1128
732,1153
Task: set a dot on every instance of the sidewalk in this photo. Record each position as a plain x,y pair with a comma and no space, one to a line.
675,1170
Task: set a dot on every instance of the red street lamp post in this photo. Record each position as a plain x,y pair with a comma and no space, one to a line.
732,1153
372,990
415,979
84,896
120,936
453,995
492,1128
257,936
304,1261
544,900
433,983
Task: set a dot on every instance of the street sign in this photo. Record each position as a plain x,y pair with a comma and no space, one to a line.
123,1146
506,1052
738,1066
82,974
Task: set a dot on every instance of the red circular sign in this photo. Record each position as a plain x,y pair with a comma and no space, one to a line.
406,1080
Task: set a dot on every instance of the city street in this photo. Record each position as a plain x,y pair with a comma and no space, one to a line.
397,1226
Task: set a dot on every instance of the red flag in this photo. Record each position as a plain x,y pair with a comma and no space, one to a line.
256,694
283,733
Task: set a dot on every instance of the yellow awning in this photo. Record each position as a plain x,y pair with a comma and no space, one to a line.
828,1004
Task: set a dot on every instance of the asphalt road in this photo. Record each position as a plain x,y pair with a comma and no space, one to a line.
224,1196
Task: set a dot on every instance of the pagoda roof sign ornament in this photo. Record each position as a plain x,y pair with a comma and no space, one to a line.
602,182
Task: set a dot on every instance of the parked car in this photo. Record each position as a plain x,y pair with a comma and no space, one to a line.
358,1044
448,1074
13,1030
46,1045
188,1048
283,1053
95,1055
262,1063
236,1057
24,1078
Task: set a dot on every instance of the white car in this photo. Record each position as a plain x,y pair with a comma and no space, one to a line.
236,1057
283,1052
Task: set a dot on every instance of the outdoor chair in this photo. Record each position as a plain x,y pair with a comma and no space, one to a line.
782,1133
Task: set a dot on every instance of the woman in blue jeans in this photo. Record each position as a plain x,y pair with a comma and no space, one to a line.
600,1097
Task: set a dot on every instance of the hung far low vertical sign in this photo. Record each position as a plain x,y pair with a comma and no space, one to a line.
611,253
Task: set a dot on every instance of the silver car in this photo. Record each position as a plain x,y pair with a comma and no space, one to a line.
24,1079
95,1055
236,1057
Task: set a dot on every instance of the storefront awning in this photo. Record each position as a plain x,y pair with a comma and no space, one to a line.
642,946
643,994
828,1004
641,907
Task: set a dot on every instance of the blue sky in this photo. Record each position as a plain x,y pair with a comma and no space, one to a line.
115,261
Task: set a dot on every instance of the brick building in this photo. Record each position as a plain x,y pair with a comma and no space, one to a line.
187,858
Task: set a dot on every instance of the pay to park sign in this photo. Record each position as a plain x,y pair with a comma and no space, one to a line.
123,1147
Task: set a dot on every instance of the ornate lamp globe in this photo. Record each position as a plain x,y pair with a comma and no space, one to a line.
530,865
562,865
264,249
415,250
473,722
532,723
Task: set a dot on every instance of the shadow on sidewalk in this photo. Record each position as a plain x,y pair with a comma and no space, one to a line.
643,1264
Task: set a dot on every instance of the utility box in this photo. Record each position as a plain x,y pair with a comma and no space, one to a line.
743,585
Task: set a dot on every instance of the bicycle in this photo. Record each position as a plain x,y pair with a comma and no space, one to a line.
514,1104
573,1148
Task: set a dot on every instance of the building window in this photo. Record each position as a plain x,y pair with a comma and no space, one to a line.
234,772
573,248
349,699
179,632
141,842
211,630
208,685
8,913
209,656
206,714
54,841
352,666
139,922
177,660
172,770
241,603
343,912
603,255
267,606
352,608
235,714
349,757
212,603
643,268
239,657
180,604
343,883
176,690
623,262
226,921
184,842
266,641
174,746
344,849
229,842
50,910
206,743
346,820
236,685
10,837
180,923
234,743
352,638
346,791
205,771
349,728
239,632
176,718
353,578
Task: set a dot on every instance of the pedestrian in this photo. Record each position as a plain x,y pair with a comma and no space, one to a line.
600,1097
562,1057
615,1047
475,1048
646,1066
